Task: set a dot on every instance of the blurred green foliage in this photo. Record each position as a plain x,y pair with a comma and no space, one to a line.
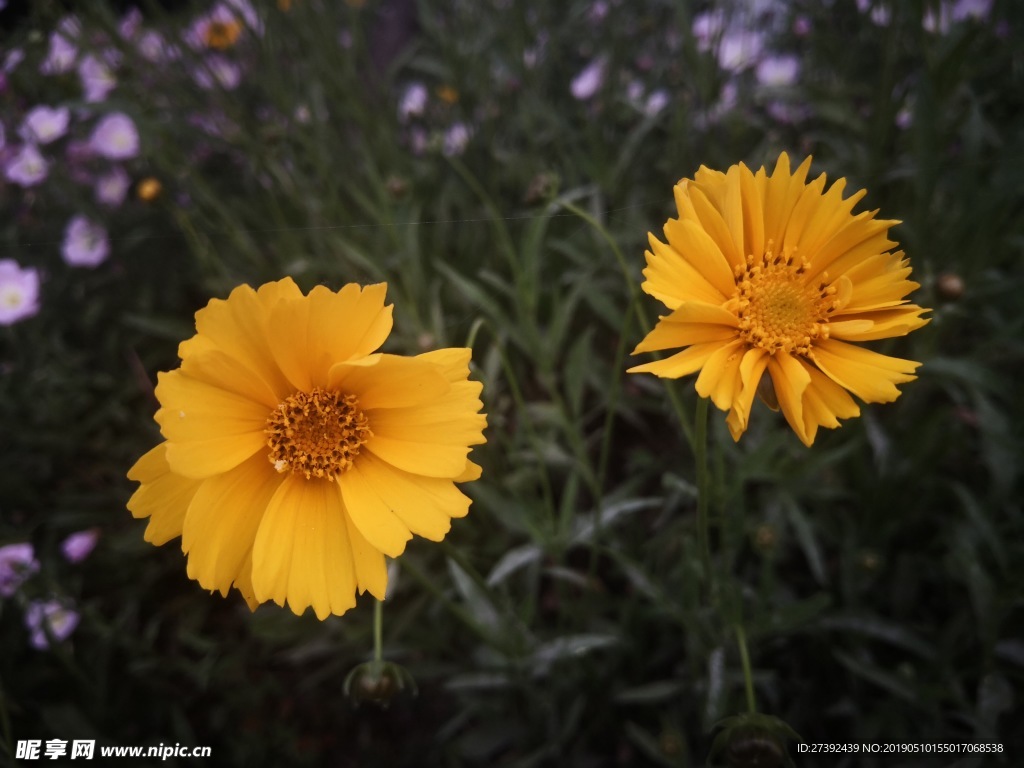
878,574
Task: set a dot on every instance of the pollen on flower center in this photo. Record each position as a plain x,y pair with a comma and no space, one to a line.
776,305
317,434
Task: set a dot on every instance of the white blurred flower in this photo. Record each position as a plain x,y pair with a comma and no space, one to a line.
44,124
85,243
590,80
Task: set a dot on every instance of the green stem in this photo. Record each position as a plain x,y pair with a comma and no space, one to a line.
748,678
378,631
700,449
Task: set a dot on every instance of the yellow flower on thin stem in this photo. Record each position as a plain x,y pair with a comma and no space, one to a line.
296,456
772,273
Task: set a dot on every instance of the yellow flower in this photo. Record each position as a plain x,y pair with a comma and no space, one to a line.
773,273
221,35
447,94
296,457
149,189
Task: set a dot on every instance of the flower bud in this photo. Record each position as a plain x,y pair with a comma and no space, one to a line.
377,682
752,741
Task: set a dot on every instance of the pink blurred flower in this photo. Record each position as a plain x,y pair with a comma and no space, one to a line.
26,167
46,619
115,137
78,546
97,79
85,243
112,187
17,561
589,81
43,124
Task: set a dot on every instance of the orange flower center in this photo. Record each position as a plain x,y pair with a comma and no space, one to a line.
777,307
222,34
317,434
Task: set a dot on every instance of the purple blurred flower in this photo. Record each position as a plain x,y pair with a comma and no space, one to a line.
880,13
656,101
776,71
112,187
128,26
413,102
455,140
153,47
50,618
78,546
43,124
13,58
19,299
708,27
739,50
217,71
589,81
26,167
97,79
802,26
60,57
115,137
17,561
3,136
85,243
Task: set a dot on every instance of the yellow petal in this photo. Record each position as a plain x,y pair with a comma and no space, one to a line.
691,242
672,280
751,369
302,555
881,324
222,520
390,381
369,512
370,567
425,505
783,192
310,334
680,364
869,375
163,496
714,224
720,377
238,327
790,380
221,370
